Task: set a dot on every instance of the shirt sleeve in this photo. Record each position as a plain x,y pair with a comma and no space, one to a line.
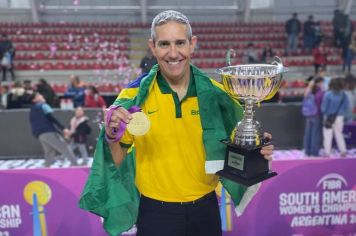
46,109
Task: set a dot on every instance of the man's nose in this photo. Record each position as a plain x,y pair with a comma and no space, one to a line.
173,52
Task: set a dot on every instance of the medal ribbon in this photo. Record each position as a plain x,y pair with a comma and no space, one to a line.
117,132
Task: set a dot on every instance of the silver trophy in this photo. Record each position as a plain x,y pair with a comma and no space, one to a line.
249,84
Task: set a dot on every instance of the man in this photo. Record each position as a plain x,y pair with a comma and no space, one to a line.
46,128
309,34
7,54
76,91
293,28
177,159
250,55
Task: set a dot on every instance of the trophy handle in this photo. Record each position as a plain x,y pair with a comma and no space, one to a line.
281,69
278,62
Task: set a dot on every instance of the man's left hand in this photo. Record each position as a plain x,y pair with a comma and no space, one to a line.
267,151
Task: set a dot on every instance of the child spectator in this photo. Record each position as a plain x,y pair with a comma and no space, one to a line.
79,130
320,57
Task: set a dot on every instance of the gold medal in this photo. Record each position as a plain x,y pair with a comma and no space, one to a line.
139,125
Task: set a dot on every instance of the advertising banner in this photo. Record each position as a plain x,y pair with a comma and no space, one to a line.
307,198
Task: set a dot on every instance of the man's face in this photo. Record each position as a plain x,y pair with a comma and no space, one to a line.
173,50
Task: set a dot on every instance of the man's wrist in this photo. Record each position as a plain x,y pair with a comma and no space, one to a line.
110,138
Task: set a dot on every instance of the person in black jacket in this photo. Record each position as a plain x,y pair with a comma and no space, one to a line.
7,54
47,92
309,34
293,28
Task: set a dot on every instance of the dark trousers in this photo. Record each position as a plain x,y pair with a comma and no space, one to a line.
11,70
157,218
313,135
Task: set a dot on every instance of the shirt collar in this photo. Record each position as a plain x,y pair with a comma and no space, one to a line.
166,89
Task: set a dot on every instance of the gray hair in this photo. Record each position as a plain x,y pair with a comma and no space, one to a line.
170,15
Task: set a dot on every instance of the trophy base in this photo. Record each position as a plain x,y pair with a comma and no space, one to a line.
245,166
245,181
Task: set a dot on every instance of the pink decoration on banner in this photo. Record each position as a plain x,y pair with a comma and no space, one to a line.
76,2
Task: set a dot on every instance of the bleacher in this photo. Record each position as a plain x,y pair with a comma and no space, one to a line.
108,54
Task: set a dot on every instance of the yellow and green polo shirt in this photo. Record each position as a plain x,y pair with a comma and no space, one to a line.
170,158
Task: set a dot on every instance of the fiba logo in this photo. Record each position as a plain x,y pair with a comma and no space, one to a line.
332,181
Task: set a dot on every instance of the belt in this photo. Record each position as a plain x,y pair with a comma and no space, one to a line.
205,197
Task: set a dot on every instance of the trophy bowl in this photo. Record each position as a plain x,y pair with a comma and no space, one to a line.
255,82
250,84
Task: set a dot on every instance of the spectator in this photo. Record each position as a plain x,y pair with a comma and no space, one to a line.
322,73
27,85
46,128
319,34
320,57
292,28
231,54
349,54
313,120
48,93
346,34
338,27
16,96
75,91
147,62
28,91
351,95
4,96
93,98
335,102
309,34
7,55
79,130
267,54
250,54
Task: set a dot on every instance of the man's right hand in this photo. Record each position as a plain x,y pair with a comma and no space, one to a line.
118,115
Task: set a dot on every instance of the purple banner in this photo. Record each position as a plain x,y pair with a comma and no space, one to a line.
59,189
307,198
